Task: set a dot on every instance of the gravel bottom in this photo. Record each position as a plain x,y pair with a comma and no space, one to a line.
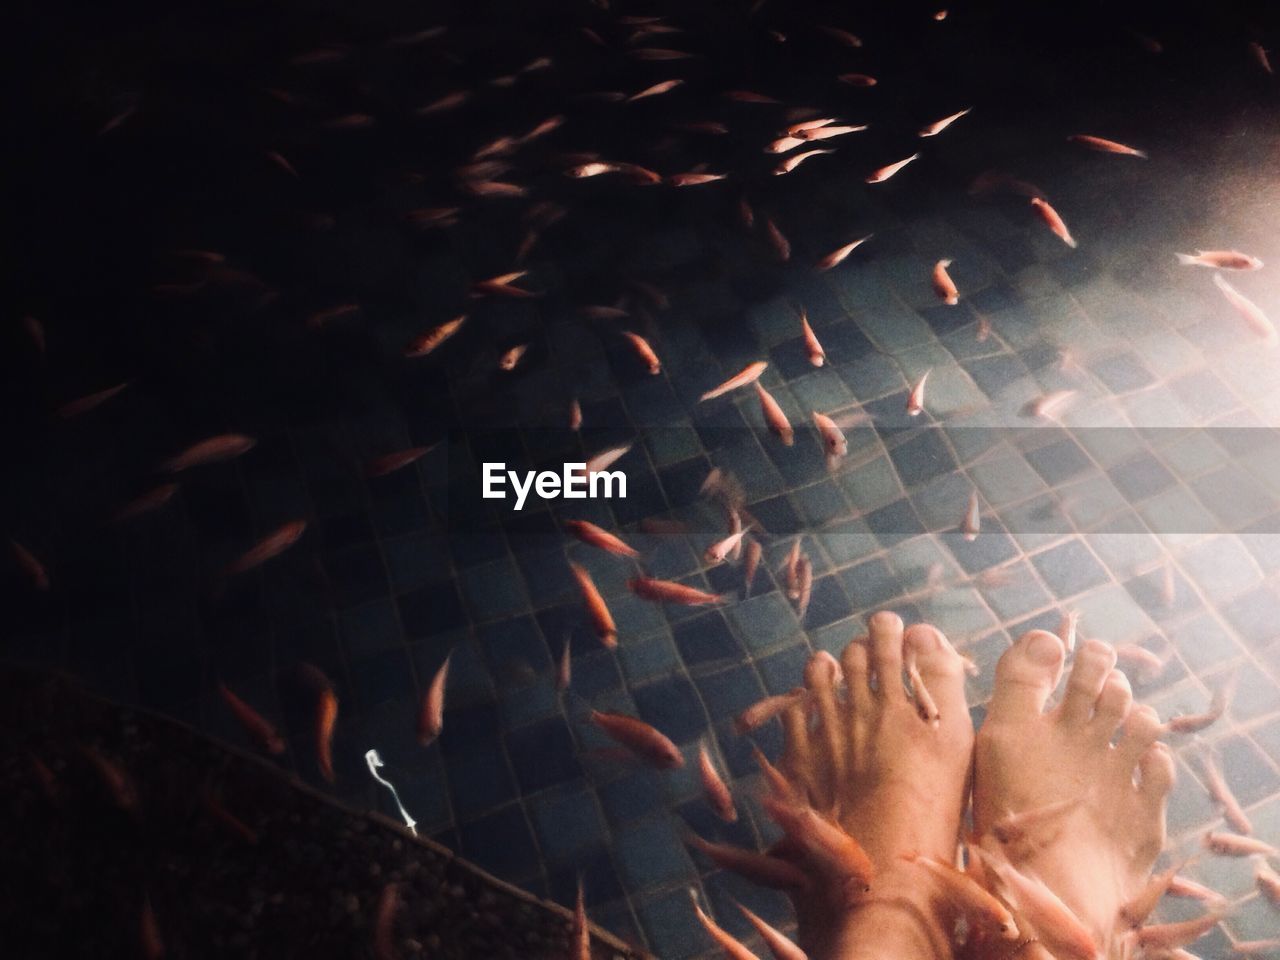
202,851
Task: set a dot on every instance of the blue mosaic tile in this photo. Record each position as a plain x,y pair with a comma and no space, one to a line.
1069,569
502,843
650,853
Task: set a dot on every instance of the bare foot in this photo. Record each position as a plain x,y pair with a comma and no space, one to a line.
1095,848
893,779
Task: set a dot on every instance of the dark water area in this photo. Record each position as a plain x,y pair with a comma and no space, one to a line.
196,213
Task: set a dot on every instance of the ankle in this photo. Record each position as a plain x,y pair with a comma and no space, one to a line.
903,916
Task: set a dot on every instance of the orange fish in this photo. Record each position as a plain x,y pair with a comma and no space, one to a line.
826,133
1171,935
150,941
431,716
504,285
718,552
1053,221
972,523
857,79
749,374
977,905
581,930
1190,890
817,356
1268,882
1195,722
943,285
1260,56
86,403
761,712
665,86
512,357
792,567
321,317
384,919
1220,260
118,783
667,591
224,447
693,179
597,611
832,438
1057,925
644,352
714,787
449,101
777,421
594,536
783,144
1253,948
838,255
269,547
280,161
825,842
255,724
750,562
789,164
1134,912
575,415
31,567
759,868
748,96
564,671
1105,146
746,214
732,947
935,128
844,36
804,586
915,400
778,240
391,462
597,311
659,54
325,720
885,172
779,945
605,459
1222,795
1252,313
641,739
1014,827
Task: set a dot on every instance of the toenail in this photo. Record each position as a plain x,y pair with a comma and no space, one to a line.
885,619
1044,648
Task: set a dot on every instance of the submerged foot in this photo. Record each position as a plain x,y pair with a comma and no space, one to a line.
1056,796
892,770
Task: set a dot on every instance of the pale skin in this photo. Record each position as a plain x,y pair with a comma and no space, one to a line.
899,784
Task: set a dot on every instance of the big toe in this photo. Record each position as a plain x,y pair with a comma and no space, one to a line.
941,668
1025,676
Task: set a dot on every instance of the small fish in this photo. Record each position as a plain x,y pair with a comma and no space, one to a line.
594,536
943,286
597,611
665,86
326,719
668,591
254,723
350,121
433,216
322,317
935,128
594,169
581,929
659,54
384,918
564,670
1251,312
1220,260
750,562
971,526
714,788
509,360
733,948
776,420
748,96
644,352
828,845
857,79
804,126
778,240
843,36
833,440
234,824
977,905
1222,795
503,285
789,164
493,188
422,345
150,941
762,711
748,374
1048,406
120,118
227,446
746,215
885,172
1187,889
1105,146
1134,912
1230,845
89,402
827,133
1014,827
1067,629
779,945
804,587
605,459
839,254
124,793
1254,948
1170,935
759,868
32,568
983,331
714,127
817,356
603,312
450,101
1267,882
1053,221
693,179
640,738
1195,722
1260,56
925,704
1058,926
391,462
1145,665
269,547
792,570
575,415
431,715
915,400
717,552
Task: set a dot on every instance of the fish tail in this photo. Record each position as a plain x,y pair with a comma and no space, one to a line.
1186,259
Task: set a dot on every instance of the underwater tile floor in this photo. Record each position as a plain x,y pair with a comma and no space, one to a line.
1152,509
